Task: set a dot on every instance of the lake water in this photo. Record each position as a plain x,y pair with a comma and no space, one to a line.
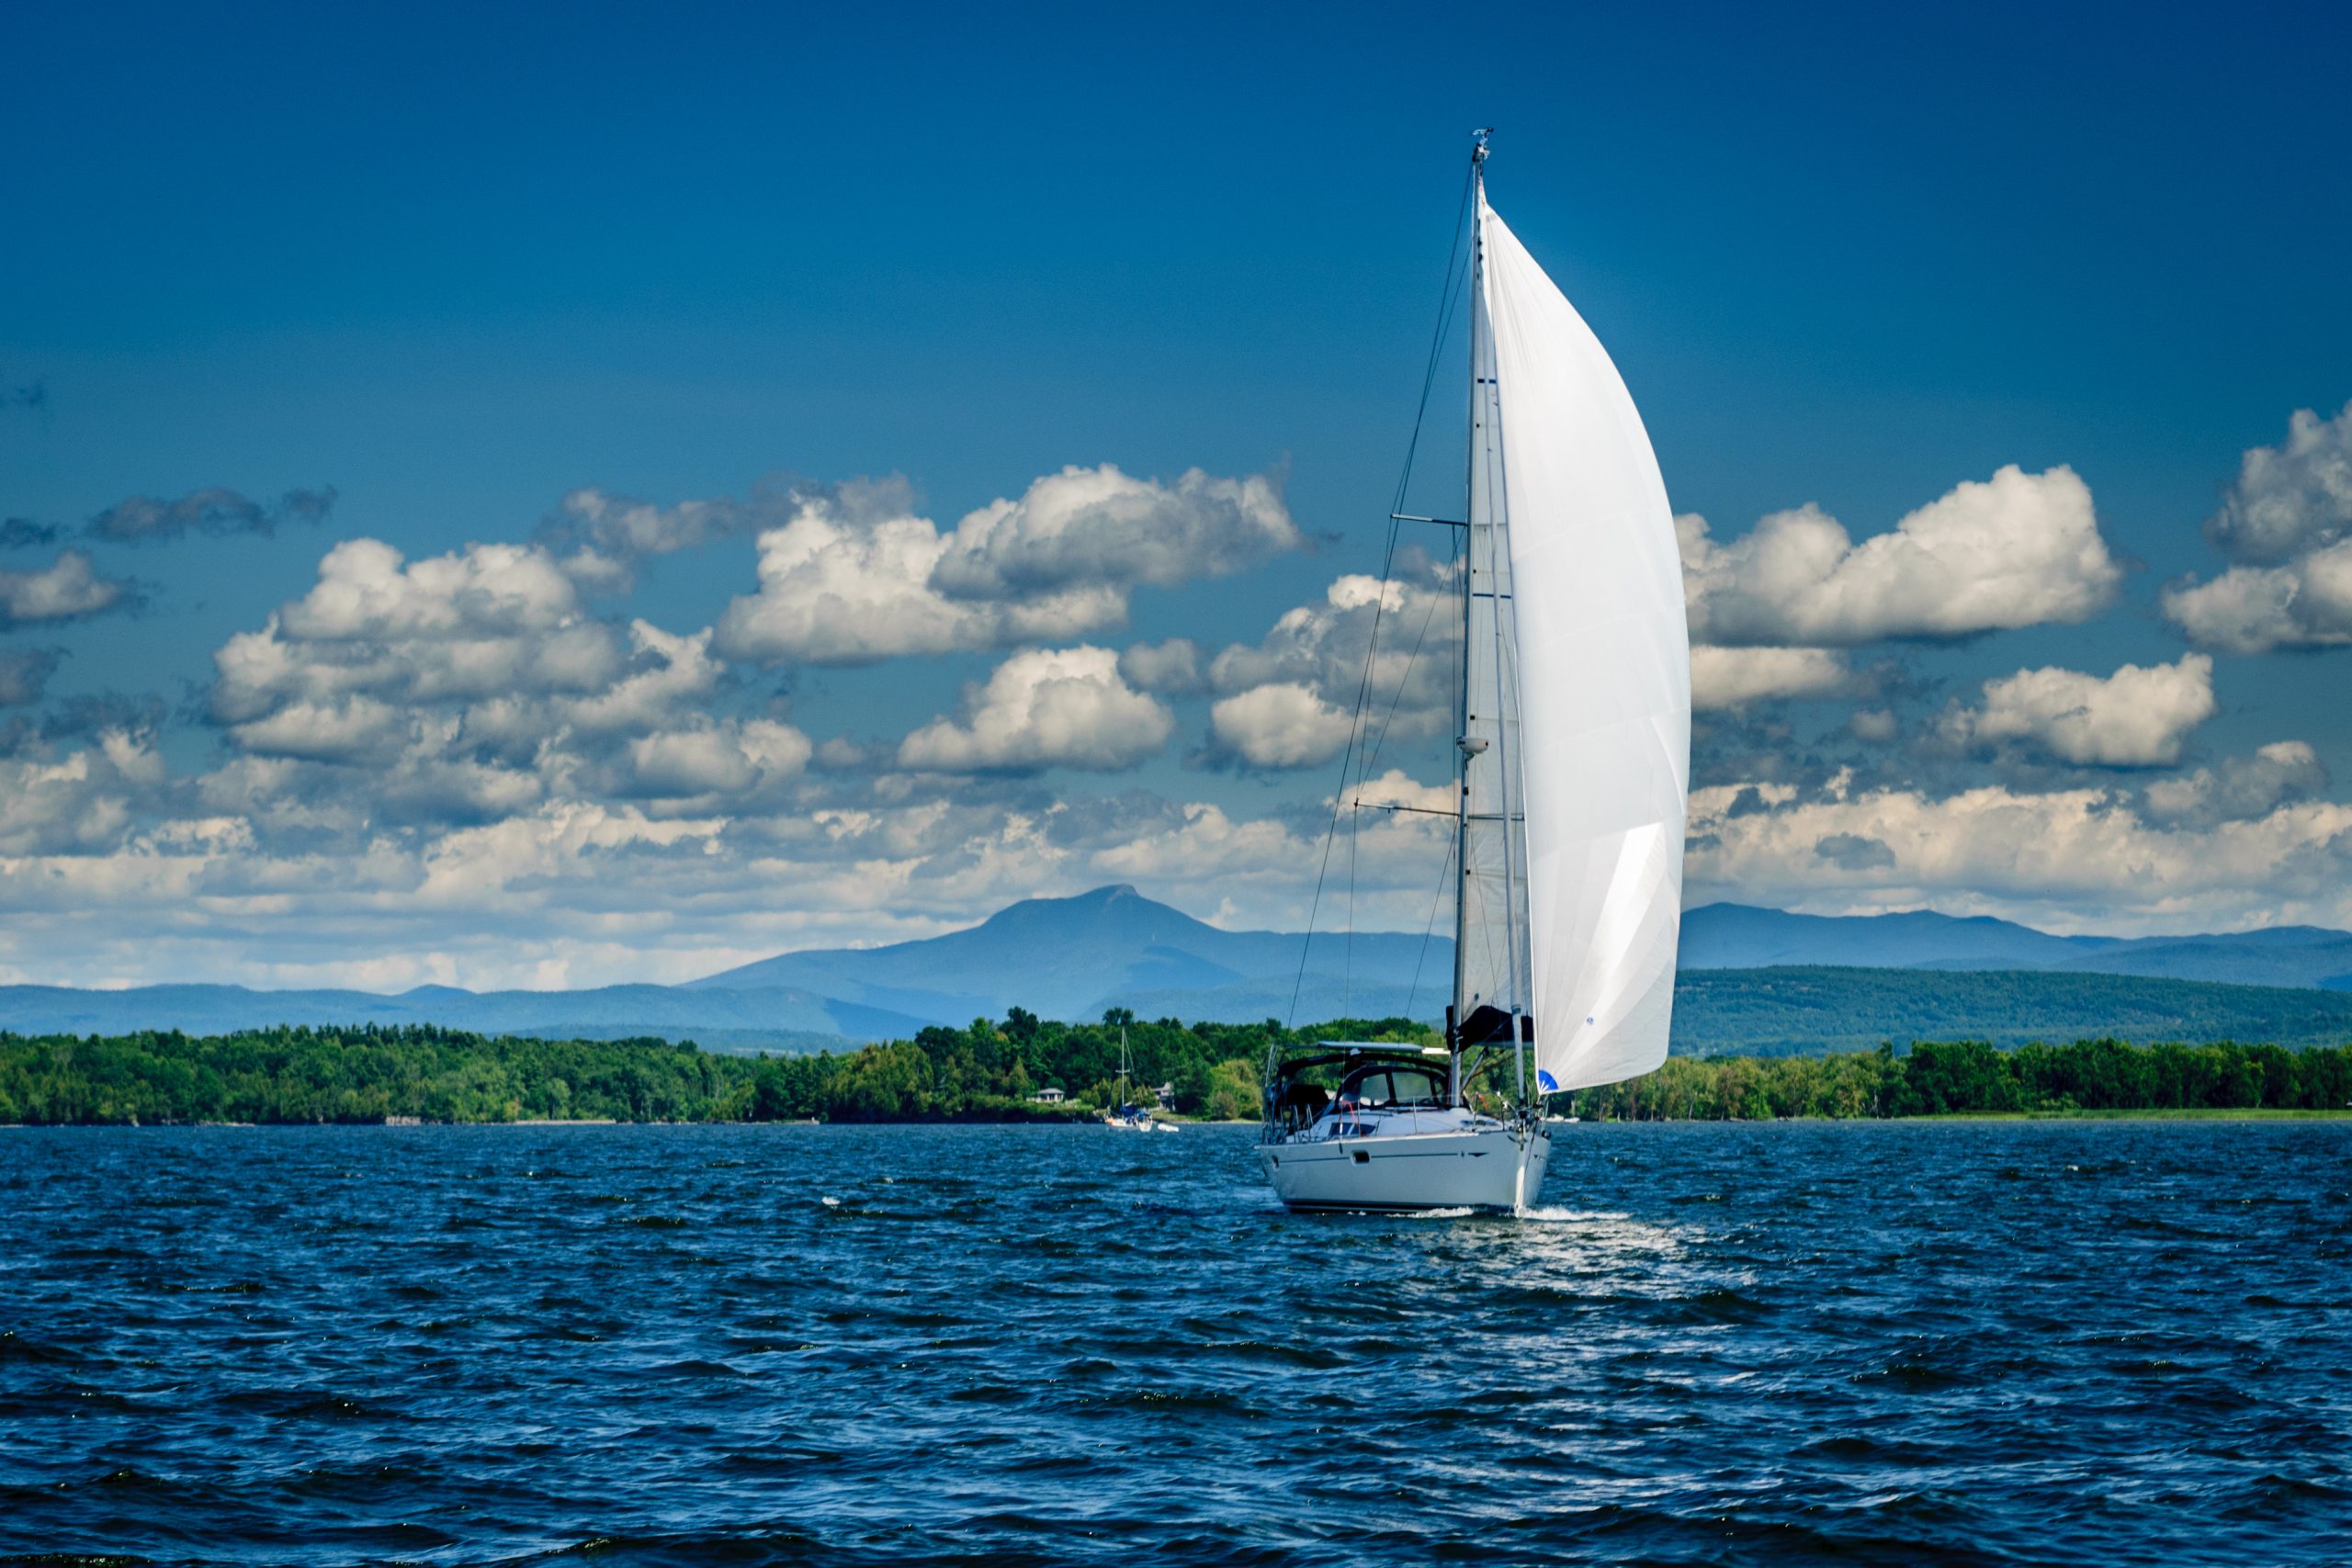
1964,1343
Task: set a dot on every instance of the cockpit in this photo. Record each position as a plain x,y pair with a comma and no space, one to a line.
1375,1085
1386,1086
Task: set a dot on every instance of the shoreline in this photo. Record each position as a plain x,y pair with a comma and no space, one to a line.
2177,1114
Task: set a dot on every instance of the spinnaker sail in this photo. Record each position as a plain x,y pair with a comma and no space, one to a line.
1601,674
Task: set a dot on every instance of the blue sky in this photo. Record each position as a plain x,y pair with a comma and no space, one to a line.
459,265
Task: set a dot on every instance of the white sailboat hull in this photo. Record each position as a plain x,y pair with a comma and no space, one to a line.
1488,1167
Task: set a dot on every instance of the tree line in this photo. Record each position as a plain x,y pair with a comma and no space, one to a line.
994,1069
1937,1078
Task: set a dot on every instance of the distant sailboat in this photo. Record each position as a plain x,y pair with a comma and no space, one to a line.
1126,1115
1573,765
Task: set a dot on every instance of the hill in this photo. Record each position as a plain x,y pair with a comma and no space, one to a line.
1071,958
778,1019
1810,1011
1736,936
1752,979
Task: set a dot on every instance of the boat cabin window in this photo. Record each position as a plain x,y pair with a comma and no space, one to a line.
1374,1088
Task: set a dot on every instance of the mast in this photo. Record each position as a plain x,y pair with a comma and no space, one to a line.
1491,919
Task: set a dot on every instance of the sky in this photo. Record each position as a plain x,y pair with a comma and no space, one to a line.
550,496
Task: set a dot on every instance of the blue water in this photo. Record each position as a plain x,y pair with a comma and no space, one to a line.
2067,1343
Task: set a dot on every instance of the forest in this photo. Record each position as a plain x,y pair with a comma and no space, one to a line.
989,1072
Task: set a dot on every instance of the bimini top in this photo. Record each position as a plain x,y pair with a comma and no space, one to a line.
1328,1053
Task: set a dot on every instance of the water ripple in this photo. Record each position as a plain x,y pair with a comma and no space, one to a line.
1911,1343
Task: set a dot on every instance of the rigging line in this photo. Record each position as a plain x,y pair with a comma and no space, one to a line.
1454,261
1348,953
1388,720
1339,797
1428,927
1455,257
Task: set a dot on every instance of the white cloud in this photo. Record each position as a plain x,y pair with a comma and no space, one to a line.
1285,702
616,528
668,672
352,727
2018,551
1099,526
1281,725
1874,725
67,588
2291,497
2249,610
1733,677
1397,787
708,759
1043,708
855,576
2286,524
1170,668
2137,717
489,620
2238,787
2067,860
838,587
78,804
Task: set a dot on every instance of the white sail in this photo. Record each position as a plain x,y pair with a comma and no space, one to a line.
1491,959
1603,681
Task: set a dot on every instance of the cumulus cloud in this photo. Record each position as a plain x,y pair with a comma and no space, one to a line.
1172,668
1734,677
486,621
1852,852
2290,498
80,804
2067,860
2137,717
855,576
2305,604
1286,701
2018,550
709,759
1283,724
215,511
2239,787
476,680
1086,526
66,589
2286,525
25,673
601,537
1043,708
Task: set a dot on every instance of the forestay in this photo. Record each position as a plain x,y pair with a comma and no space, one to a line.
1603,676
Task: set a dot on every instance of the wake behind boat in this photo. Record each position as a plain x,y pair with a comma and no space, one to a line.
1573,756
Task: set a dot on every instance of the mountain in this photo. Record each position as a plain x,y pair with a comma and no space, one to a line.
1736,936
778,1019
1752,979
1071,958
1804,1011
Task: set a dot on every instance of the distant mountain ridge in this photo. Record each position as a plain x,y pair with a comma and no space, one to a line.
1738,936
1072,958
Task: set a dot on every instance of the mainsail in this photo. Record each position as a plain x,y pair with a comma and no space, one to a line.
1571,868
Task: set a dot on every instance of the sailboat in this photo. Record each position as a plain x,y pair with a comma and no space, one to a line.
1573,762
1126,1115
